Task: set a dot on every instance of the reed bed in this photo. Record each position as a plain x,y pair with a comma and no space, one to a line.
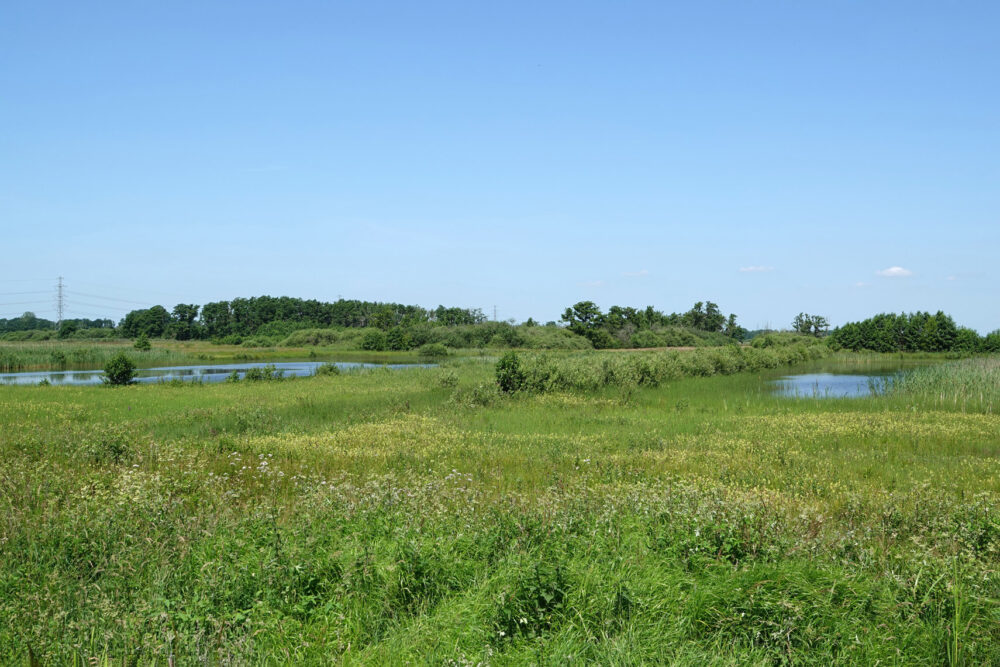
17,357
970,385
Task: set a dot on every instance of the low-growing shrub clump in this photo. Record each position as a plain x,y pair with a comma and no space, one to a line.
120,370
263,373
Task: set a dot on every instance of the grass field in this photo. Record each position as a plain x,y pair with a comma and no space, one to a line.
419,516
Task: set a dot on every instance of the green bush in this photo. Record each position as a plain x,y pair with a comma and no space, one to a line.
312,337
397,338
142,343
645,338
510,377
268,372
433,350
120,370
374,341
448,379
327,369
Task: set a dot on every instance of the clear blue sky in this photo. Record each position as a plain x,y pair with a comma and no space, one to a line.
771,157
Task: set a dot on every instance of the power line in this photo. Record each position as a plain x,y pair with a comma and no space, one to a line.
106,298
104,306
119,288
42,291
26,280
21,303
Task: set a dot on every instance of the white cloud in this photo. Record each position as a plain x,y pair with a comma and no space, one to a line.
860,284
636,274
755,269
895,272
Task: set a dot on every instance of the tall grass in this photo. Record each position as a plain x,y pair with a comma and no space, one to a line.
15,357
636,369
970,385
371,519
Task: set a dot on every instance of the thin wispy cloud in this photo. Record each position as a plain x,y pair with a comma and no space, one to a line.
860,284
756,269
636,274
895,272
952,278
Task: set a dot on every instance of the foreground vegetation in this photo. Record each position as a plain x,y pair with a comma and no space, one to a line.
426,516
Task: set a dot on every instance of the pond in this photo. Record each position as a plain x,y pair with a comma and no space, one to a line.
831,385
841,379
205,373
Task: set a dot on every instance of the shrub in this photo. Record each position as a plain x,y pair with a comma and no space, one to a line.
327,369
373,340
510,377
397,339
268,372
120,370
311,337
448,379
645,338
109,444
142,343
433,350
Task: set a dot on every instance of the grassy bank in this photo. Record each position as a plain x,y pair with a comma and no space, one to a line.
381,518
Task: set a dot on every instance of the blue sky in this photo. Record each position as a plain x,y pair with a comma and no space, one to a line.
771,157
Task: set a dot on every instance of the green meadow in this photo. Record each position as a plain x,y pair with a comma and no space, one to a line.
617,508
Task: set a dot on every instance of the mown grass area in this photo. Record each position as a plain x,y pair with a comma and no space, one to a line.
418,516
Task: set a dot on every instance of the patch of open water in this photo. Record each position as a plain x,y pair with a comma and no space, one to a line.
200,373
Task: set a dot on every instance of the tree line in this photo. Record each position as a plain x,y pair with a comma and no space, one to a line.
624,326
912,332
282,315
31,322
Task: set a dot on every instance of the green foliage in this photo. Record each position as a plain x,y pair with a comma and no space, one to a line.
543,373
374,340
120,370
971,384
806,324
263,373
509,376
782,339
448,379
433,350
111,444
621,326
327,369
377,520
313,337
142,343
914,332
67,329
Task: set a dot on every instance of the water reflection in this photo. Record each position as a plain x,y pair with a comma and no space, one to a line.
832,385
209,373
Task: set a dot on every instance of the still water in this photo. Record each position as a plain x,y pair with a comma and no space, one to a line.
207,373
832,378
832,385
